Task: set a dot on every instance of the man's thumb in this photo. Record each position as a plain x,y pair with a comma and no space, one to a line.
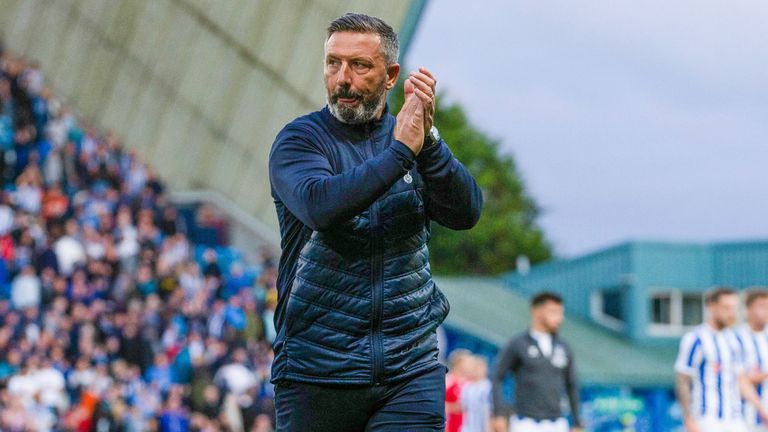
408,86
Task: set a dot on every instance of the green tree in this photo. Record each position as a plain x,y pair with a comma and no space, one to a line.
507,227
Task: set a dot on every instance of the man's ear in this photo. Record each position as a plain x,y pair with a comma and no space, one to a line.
393,71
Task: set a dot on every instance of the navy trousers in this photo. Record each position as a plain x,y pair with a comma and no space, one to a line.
414,405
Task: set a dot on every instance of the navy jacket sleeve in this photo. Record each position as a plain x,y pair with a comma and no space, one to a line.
453,198
302,177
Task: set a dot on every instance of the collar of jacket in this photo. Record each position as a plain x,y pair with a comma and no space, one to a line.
379,128
555,336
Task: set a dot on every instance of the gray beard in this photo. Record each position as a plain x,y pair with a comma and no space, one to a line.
364,112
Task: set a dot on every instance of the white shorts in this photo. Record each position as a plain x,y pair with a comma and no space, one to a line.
524,424
707,425
757,428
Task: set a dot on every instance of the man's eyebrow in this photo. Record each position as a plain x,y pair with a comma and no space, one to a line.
366,58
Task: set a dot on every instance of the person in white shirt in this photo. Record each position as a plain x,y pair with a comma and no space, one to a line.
753,341
476,397
52,385
26,289
711,381
69,250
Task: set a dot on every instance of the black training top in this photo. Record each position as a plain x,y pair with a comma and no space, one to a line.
539,380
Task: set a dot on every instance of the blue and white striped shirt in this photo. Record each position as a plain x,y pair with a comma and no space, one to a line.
754,346
714,360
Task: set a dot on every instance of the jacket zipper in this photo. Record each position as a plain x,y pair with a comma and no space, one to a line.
377,279
376,274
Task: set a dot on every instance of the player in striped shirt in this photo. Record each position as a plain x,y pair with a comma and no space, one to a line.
711,381
753,341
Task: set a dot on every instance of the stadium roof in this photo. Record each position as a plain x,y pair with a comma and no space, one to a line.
198,88
486,309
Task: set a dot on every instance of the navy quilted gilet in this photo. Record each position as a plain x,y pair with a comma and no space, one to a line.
356,299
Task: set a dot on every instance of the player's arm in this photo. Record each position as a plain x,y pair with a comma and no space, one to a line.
749,394
499,424
751,369
453,198
572,389
746,380
454,407
757,377
683,391
747,362
508,362
689,357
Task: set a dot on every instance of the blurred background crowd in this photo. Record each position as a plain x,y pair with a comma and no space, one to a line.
112,317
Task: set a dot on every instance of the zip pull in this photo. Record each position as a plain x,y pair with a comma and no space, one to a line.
407,177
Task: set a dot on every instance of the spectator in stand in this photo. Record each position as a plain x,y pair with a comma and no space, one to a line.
25,289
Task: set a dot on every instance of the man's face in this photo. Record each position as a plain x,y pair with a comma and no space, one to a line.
725,310
549,315
758,311
356,76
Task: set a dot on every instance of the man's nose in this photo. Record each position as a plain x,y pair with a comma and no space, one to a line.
344,76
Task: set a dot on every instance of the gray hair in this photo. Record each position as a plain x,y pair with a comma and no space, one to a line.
361,23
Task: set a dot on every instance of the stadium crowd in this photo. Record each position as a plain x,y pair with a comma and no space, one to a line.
111,318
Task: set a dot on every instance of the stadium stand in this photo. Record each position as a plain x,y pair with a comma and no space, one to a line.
118,311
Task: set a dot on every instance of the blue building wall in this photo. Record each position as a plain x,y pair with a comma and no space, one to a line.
575,279
741,265
660,266
636,270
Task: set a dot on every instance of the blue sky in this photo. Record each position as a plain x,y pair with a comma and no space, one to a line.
629,120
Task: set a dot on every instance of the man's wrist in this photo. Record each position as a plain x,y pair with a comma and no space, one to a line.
431,139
